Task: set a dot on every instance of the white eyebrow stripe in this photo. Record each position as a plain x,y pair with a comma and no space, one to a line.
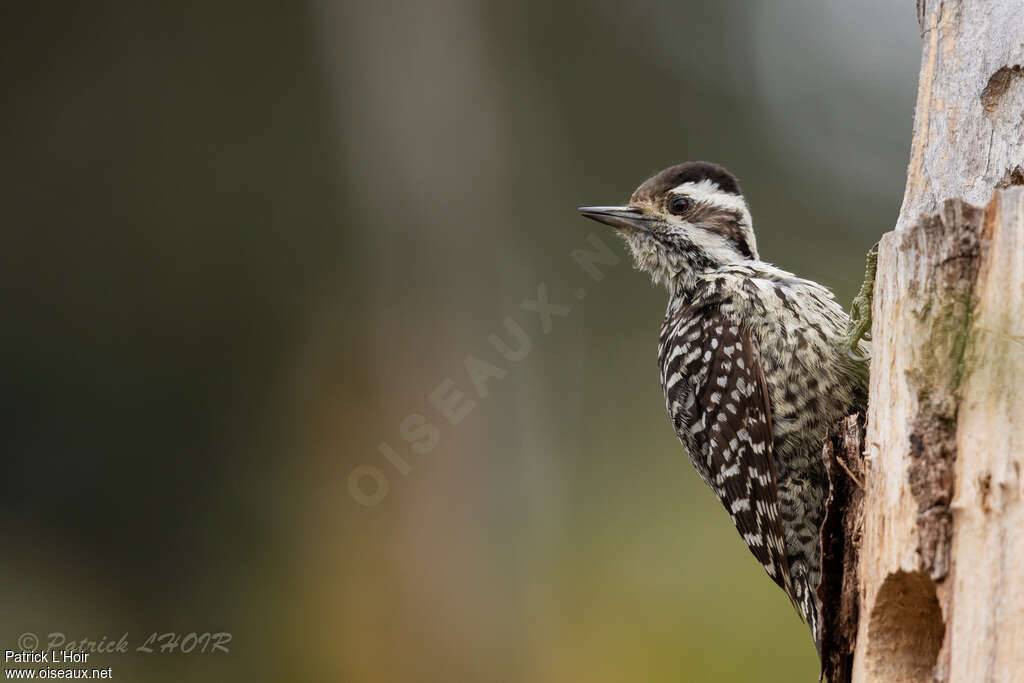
707,191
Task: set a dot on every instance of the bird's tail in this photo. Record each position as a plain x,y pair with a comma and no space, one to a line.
809,608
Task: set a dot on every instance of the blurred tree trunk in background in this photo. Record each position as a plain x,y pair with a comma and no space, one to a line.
930,545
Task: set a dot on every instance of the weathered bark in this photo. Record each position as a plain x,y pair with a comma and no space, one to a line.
924,543
969,121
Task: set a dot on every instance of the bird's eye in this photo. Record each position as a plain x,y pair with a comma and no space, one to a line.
679,205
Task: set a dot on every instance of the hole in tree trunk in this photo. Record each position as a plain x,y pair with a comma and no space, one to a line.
905,629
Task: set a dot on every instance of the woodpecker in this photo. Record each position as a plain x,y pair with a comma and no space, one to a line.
756,365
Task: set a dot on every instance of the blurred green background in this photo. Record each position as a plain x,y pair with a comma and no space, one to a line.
242,242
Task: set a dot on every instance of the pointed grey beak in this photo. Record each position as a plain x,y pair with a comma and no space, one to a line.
618,217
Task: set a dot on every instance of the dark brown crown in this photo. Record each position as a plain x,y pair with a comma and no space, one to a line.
688,172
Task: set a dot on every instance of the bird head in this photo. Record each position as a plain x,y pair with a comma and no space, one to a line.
688,219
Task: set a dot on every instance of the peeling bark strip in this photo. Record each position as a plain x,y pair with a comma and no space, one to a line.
840,542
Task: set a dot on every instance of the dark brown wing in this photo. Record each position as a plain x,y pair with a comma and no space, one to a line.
728,424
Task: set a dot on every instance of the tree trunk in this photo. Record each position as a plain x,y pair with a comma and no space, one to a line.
924,538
